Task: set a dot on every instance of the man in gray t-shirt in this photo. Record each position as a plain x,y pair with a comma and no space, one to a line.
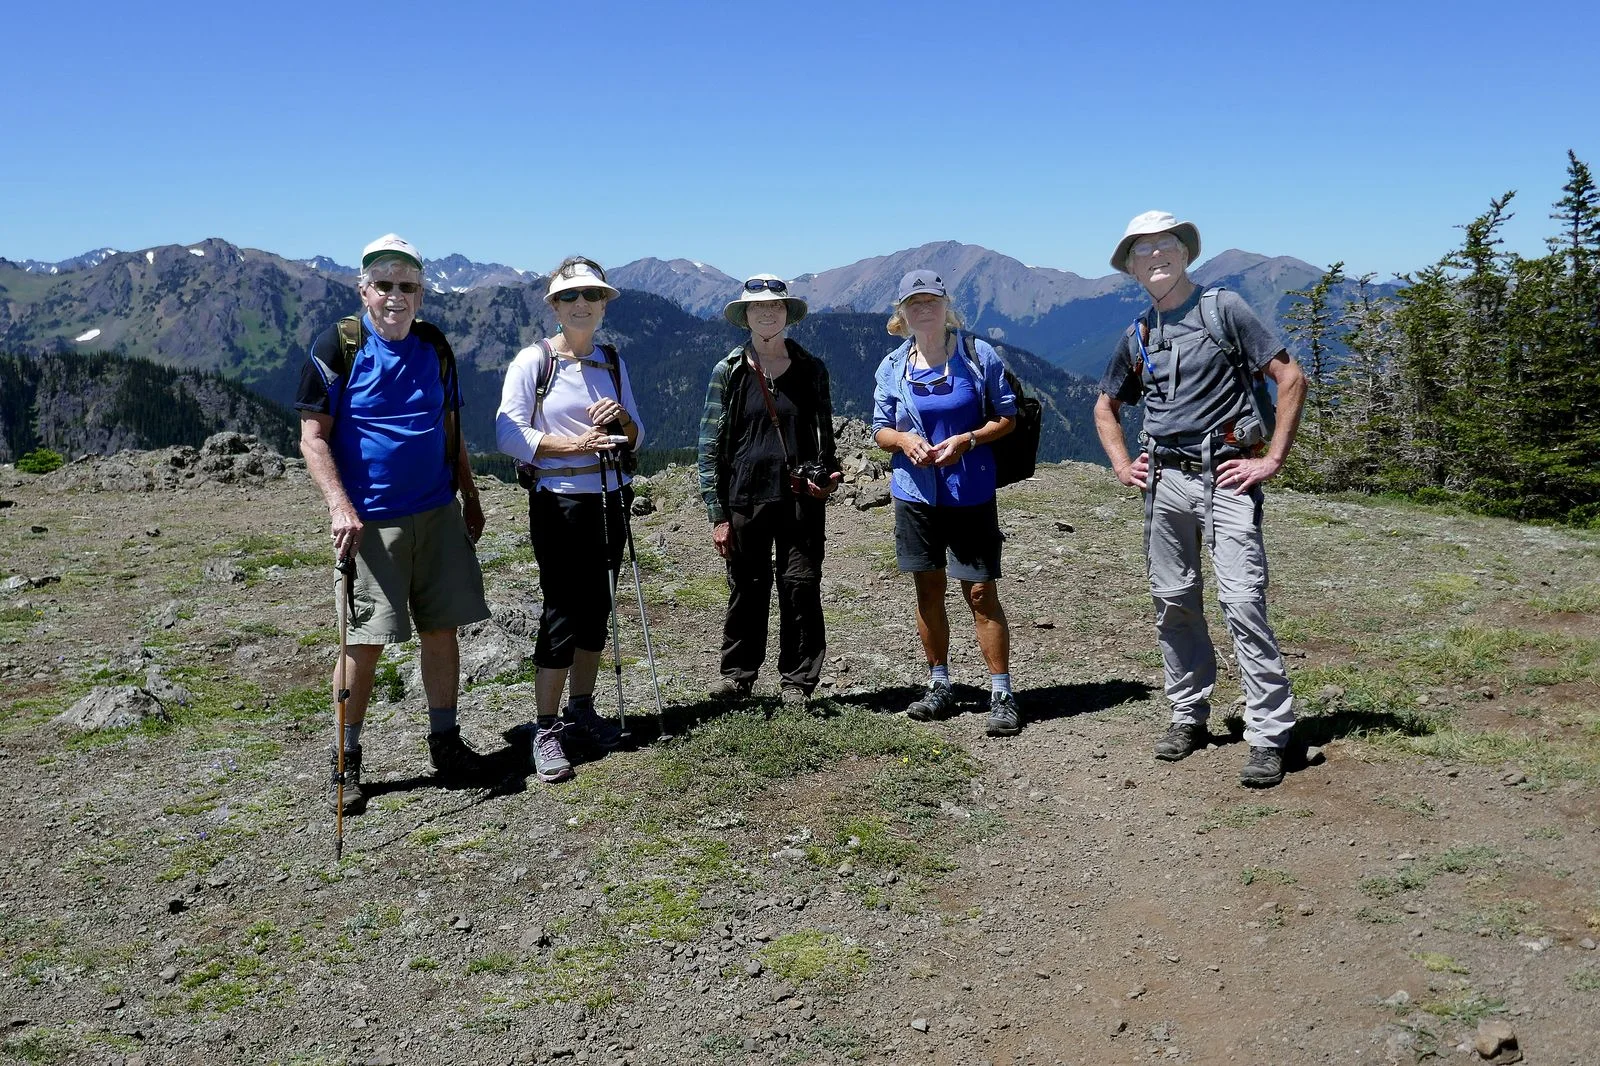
1201,473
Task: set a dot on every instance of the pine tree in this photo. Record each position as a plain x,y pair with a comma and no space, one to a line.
1310,321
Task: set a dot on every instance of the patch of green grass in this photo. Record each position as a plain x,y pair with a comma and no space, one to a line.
1418,873
1239,816
1464,1007
657,908
1378,915
1438,962
811,956
1418,805
15,622
1585,978
496,962
579,972
1504,918
387,684
260,553
37,1045
1266,875
1584,599
1443,588
315,638
702,593
421,963
521,555
1569,758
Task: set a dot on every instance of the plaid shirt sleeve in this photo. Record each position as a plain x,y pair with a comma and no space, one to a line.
710,459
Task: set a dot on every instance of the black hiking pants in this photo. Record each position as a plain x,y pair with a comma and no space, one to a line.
790,530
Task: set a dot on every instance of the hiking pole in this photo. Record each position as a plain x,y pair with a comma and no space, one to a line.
644,625
346,567
611,588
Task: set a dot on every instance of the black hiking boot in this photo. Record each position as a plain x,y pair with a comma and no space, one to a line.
452,760
730,689
939,702
1181,740
1264,768
588,726
353,796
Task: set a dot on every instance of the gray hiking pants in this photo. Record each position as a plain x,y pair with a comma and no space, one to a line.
1239,561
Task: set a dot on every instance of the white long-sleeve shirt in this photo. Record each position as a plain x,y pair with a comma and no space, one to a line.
564,412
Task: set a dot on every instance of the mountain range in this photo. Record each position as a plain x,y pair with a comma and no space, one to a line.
252,315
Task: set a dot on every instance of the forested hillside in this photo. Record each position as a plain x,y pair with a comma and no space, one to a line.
106,403
1480,378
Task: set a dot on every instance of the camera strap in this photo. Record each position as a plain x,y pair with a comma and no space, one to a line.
772,410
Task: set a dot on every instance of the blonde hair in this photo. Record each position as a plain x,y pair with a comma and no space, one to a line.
898,327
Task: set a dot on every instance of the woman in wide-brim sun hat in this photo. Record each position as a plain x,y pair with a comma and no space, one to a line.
939,400
577,503
767,466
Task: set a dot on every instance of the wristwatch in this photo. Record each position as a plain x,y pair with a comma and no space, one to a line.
972,440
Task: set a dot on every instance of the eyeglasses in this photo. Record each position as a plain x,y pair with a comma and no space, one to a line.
568,296
1164,243
769,284
410,288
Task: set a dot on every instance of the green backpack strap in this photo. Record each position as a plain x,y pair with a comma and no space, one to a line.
1254,385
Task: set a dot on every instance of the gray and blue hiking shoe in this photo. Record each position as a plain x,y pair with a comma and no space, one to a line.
1005,720
549,760
938,702
352,775
1181,740
452,760
586,725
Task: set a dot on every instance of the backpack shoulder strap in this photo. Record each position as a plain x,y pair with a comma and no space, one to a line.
969,348
352,338
545,376
613,364
433,336
1211,318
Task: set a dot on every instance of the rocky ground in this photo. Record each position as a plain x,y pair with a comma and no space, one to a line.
772,886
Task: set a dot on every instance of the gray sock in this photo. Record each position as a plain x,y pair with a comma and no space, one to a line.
352,737
441,719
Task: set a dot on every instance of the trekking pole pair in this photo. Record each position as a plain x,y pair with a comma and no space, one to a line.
610,460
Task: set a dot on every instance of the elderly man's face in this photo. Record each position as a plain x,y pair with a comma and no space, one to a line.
1157,260
392,311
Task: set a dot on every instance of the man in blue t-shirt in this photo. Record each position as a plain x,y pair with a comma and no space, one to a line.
1206,456
379,429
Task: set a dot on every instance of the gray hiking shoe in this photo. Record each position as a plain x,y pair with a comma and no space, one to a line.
352,775
583,723
731,689
795,697
1005,720
1181,740
1264,768
938,702
549,760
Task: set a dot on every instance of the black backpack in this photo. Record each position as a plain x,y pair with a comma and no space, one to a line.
1253,383
353,337
1017,453
527,475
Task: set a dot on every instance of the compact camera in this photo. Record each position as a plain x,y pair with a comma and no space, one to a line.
803,475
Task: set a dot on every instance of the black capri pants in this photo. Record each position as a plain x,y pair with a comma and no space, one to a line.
577,546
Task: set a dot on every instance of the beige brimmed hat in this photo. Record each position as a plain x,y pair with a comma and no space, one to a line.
1155,222
762,288
579,276
390,244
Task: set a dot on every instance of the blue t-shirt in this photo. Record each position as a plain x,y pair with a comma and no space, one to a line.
389,438
949,402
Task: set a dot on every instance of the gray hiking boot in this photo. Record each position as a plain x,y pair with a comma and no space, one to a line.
1264,768
549,760
1005,720
583,723
938,702
352,775
1181,740
730,688
795,697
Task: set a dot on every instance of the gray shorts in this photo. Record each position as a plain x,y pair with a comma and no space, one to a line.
962,540
421,567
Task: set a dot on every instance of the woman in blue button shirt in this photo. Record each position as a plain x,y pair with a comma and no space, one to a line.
938,401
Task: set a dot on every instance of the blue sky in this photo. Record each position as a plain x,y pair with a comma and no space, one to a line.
788,137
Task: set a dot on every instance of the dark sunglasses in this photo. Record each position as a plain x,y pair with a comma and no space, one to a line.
769,284
939,386
410,288
568,296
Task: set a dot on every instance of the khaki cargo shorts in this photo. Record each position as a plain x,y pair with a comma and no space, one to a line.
420,567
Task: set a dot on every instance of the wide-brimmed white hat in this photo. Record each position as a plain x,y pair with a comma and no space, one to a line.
390,244
579,276
1155,222
763,288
